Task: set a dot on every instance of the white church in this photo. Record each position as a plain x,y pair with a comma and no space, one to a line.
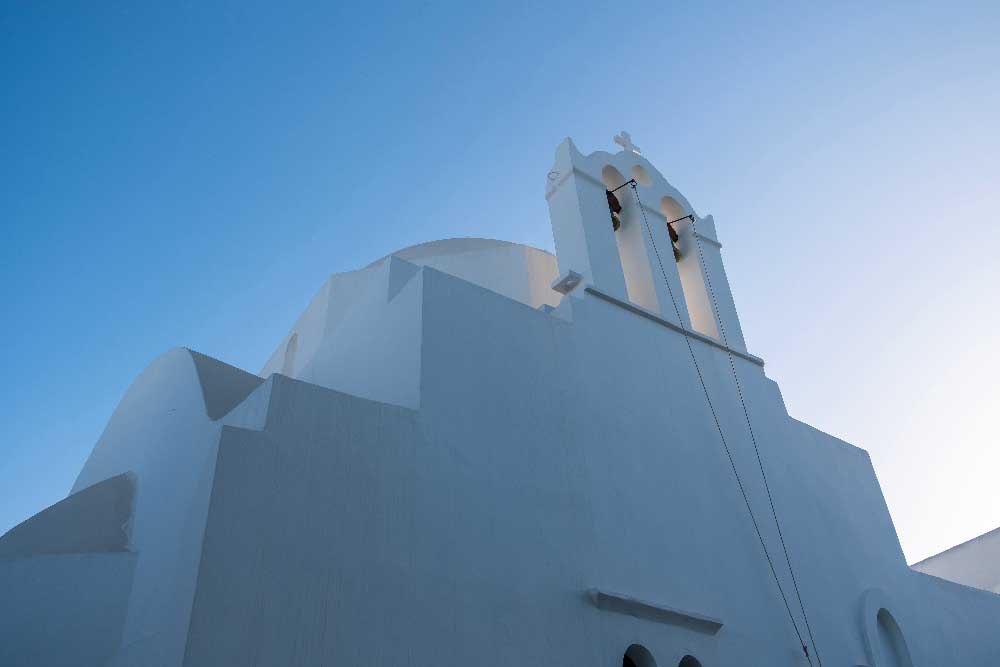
473,452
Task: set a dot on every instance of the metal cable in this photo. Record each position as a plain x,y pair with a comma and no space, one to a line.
753,437
722,437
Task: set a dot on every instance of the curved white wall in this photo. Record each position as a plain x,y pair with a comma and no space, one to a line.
516,271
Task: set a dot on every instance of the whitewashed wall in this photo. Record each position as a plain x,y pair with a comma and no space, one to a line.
449,464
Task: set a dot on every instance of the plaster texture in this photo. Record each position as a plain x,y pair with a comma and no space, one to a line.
64,610
447,462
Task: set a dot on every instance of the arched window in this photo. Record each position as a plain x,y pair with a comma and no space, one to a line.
638,656
689,661
288,364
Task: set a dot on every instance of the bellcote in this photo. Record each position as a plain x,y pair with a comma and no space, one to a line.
657,253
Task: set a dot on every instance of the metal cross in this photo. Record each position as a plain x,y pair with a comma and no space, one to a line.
625,141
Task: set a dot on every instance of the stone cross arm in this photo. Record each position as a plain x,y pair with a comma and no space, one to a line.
625,141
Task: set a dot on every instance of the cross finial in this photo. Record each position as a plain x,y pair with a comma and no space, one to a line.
625,141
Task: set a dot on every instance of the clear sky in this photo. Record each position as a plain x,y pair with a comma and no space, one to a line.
190,175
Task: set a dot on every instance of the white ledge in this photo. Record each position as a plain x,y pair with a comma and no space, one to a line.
649,315
653,611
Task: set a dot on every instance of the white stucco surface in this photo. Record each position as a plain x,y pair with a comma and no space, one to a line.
974,563
446,462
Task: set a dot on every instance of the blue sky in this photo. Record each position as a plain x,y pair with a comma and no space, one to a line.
190,176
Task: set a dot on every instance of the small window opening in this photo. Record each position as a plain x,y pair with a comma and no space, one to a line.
689,661
638,656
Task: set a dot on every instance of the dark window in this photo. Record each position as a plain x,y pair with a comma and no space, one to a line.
638,656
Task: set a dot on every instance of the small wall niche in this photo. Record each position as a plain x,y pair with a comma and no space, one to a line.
892,648
689,267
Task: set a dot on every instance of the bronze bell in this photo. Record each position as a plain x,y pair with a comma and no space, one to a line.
674,241
616,208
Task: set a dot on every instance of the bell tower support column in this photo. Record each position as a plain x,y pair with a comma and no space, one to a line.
724,305
581,224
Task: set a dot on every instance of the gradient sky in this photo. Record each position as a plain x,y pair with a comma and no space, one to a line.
190,175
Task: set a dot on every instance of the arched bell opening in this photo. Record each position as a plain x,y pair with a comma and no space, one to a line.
626,222
641,176
693,284
613,182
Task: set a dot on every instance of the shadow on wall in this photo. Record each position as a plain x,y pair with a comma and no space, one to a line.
892,646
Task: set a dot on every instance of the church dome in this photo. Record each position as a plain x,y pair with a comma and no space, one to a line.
517,271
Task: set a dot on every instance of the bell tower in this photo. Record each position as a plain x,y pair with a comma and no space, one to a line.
621,229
